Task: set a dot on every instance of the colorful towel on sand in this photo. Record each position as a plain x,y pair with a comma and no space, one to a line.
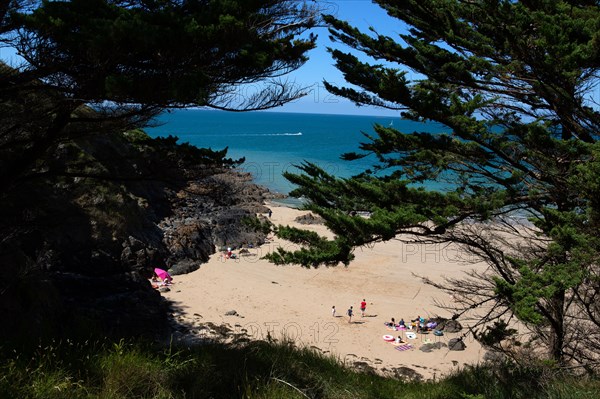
403,347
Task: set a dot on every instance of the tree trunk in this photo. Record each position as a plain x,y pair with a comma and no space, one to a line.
557,334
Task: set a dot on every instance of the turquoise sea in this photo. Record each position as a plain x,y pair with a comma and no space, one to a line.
273,142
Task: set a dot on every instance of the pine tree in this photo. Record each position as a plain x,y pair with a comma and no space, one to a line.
170,53
92,71
513,85
131,59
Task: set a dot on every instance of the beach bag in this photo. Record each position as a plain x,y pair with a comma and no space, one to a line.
438,333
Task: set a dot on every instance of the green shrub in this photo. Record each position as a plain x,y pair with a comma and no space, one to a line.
119,370
136,136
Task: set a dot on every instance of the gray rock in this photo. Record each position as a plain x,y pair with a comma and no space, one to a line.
309,218
432,346
184,267
364,367
493,356
449,326
406,374
456,344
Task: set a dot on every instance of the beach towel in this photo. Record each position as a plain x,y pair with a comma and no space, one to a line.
403,347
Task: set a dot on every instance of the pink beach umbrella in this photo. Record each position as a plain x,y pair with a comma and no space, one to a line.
162,274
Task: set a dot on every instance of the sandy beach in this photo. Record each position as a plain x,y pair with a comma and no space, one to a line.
296,302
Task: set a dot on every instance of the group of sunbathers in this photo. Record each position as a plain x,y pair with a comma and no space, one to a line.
419,324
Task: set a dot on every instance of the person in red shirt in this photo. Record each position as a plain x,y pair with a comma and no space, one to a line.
363,307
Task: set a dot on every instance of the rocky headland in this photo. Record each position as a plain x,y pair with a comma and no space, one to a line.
78,247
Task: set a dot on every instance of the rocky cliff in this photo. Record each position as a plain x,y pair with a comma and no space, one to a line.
80,238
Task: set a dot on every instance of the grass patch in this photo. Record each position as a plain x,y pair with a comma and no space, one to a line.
115,370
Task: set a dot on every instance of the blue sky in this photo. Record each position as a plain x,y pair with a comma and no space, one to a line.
362,14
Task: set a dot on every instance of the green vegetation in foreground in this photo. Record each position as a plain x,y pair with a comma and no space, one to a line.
258,370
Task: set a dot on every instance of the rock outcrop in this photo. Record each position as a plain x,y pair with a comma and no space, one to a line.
79,248
210,215
310,218
456,344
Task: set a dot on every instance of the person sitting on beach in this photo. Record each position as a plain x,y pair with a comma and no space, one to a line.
399,340
391,323
414,323
419,323
401,323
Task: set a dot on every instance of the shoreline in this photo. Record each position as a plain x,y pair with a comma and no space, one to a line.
252,298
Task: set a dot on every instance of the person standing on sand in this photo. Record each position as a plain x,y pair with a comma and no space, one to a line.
350,312
333,311
363,307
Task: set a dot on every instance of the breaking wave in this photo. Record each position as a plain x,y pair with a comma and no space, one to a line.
250,134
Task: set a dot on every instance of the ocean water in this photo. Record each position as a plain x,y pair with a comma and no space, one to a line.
273,142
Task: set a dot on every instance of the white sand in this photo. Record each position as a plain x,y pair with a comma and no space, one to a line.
296,302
